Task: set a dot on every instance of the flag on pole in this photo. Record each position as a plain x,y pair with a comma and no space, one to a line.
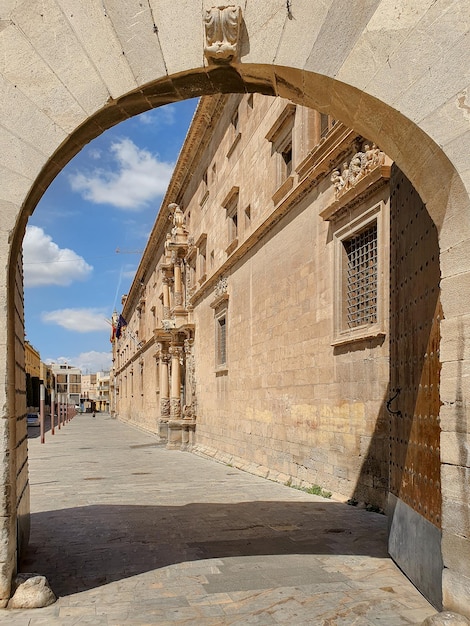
120,325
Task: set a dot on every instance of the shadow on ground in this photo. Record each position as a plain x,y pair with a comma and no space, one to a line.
85,547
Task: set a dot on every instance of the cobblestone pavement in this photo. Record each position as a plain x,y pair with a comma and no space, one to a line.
130,533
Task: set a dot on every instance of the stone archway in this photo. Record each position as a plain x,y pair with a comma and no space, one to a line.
384,71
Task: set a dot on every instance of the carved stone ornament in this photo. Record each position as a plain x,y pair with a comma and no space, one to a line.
221,286
359,166
165,407
222,30
175,408
168,324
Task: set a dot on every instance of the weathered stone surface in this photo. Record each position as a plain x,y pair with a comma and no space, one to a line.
32,591
96,34
455,591
447,618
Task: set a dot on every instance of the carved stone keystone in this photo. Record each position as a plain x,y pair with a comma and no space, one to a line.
222,30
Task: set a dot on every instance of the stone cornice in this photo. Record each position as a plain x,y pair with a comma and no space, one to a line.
364,188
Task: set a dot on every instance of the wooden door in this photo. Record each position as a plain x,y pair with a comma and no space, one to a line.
413,403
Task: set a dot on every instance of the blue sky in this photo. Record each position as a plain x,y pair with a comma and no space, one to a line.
105,199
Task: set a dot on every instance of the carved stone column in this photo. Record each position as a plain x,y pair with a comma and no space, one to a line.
175,421
175,397
178,284
189,411
166,298
164,397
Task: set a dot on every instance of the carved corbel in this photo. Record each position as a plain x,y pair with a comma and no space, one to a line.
222,32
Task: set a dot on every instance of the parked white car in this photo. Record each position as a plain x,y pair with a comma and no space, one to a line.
32,419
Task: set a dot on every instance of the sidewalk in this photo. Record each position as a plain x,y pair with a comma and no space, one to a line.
130,533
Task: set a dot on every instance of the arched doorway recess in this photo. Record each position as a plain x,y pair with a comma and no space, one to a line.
384,73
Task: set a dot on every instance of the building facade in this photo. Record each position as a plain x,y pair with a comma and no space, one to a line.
102,392
67,383
33,376
48,380
275,323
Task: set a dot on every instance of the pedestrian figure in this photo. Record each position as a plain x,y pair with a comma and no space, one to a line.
93,414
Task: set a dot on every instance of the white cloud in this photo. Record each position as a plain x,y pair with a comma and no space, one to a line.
94,154
139,178
88,362
46,264
77,320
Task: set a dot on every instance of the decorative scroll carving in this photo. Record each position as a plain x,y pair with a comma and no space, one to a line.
221,287
175,408
189,412
222,30
359,166
176,351
178,298
165,408
191,408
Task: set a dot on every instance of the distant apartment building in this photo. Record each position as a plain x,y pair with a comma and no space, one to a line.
95,392
88,393
102,392
67,383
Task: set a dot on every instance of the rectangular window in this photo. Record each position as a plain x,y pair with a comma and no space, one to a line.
287,159
361,278
232,218
234,135
202,258
221,340
326,124
231,207
220,306
204,189
280,136
361,255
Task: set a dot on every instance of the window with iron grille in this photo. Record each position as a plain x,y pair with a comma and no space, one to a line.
361,278
361,262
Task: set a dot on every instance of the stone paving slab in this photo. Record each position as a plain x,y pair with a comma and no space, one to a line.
129,533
